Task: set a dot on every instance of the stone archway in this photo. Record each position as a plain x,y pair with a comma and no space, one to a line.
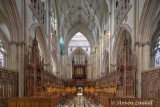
40,36
37,30
148,25
123,31
124,63
84,30
17,39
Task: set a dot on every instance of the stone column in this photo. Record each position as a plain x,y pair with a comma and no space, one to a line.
98,60
101,55
13,55
91,73
89,65
8,59
64,62
59,65
95,63
62,67
109,42
135,44
20,49
139,68
146,55
69,71
49,34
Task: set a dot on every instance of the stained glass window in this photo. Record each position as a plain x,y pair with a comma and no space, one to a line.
2,51
61,45
157,52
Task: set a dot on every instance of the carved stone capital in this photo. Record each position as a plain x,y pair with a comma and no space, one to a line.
13,42
17,43
140,44
136,43
146,43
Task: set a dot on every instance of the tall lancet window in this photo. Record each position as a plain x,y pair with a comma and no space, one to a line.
61,45
2,53
156,52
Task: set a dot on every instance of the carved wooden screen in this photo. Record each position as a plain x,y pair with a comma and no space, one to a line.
8,83
151,84
34,72
126,70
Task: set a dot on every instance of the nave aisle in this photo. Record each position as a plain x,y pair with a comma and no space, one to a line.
79,101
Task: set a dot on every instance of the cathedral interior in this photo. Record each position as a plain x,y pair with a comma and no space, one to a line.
79,53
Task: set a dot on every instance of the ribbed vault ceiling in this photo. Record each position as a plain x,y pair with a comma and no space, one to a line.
73,12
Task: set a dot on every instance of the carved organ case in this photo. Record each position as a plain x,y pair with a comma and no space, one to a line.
79,70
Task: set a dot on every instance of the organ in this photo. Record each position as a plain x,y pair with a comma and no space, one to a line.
79,70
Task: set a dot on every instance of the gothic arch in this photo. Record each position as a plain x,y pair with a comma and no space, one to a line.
13,20
119,35
77,49
40,37
122,31
4,26
147,24
13,30
79,28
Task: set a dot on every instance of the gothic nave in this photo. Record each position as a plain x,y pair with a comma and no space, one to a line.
79,53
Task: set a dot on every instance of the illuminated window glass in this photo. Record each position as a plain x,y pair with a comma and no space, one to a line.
157,52
61,45
2,51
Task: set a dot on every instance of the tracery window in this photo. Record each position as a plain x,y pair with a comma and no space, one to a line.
2,53
79,41
53,21
39,10
121,9
155,52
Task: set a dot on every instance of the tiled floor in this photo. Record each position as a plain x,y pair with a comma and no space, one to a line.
79,101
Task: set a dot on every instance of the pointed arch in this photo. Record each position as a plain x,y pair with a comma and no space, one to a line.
40,37
13,19
70,57
123,31
147,26
77,49
79,28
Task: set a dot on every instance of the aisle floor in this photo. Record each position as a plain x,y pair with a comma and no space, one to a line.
79,101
